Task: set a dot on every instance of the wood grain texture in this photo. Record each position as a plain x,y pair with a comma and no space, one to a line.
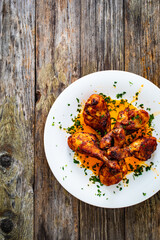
16,119
142,38
142,57
57,65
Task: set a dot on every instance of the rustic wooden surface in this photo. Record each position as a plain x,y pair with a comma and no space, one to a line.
17,94
45,46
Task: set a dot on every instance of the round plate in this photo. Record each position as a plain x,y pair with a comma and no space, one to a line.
60,157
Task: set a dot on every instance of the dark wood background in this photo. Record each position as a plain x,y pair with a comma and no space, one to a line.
44,46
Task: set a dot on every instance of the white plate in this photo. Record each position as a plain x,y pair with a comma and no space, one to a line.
60,157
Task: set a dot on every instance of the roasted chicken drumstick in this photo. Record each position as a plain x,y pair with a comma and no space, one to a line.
127,121
132,120
108,177
115,137
96,114
87,143
141,149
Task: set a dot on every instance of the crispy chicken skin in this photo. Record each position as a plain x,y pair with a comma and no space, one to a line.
96,114
141,149
87,143
108,177
117,153
115,137
132,120
127,121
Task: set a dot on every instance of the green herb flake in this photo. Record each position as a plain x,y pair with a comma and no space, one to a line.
144,194
106,99
95,179
122,101
85,171
75,161
131,167
120,95
114,85
130,83
150,119
141,105
139,170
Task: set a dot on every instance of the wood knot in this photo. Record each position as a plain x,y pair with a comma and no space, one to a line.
6,225
5,160
38,96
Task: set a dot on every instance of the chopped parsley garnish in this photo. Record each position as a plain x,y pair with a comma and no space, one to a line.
77,125
113,101
113,118
138,171
75,161
131,167
150,119
53,122
102,116
95,179
149,109
122,101
148,168
126,180
141,105
130,83
94,166
99,133
106,99
71,130
99,193
120,95
144,194
85,171
114,85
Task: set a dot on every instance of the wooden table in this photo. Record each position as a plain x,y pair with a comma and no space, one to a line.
45,46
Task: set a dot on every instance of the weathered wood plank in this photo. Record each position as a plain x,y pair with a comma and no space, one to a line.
17,21
142,57
142,39
58,64
102,48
